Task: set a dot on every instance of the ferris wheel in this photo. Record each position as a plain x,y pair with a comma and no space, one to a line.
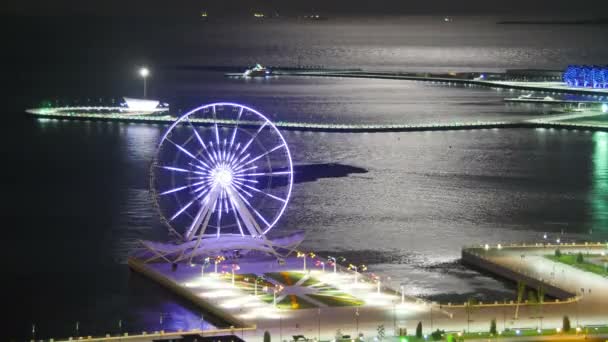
222,169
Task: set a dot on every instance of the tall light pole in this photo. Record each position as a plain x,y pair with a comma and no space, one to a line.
144,73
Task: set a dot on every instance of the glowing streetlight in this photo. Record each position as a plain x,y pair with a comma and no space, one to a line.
234,268
255,286
218,260
322,264
205,264
356,269
304,255
333,262
277,288
144,73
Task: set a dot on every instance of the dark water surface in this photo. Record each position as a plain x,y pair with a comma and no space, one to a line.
75,194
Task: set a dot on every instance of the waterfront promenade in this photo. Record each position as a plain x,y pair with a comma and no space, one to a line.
580,292
581,296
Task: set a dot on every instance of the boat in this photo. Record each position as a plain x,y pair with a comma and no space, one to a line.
257,71
537,98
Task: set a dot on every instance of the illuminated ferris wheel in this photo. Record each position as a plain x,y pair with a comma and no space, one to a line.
222,169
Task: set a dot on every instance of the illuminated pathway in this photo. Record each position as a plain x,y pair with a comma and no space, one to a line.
387,308
546,122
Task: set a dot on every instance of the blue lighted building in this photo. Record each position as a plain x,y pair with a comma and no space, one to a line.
588,76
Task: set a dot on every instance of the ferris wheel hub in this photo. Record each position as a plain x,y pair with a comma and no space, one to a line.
222,176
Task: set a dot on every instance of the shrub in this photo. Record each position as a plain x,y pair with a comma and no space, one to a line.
419,330
493,327
579,258
566,324
266,336
558,253
437,334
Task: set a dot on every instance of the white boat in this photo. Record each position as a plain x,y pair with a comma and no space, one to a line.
257,71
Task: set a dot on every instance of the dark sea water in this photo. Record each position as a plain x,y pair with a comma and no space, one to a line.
75,194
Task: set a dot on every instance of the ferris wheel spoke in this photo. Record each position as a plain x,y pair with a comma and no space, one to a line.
236,218
242,172
180,188
181,148
238,186
252,138
270,173
236,125
219,218
250,223
199,224
246,180
178,169
265,193
254,210
206,168
217,134
239,162
263,154
180,211
233,153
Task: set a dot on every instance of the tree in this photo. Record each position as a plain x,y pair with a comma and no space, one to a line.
566,324
493,327
266,336
381,332
419,330
558,253
521,288
579,258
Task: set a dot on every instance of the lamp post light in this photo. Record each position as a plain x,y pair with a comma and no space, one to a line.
321,264
234,267
255,286
402,294
356,269
218,260
302,255
277,288
205,264
144,73
333,261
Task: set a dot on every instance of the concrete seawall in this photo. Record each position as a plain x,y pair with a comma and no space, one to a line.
474,260
138,266
343,128
490,84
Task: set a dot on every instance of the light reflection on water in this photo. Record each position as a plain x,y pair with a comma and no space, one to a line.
414,201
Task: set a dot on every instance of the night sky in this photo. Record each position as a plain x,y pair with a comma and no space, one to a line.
587,8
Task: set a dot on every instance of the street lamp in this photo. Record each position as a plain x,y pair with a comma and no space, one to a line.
277,288
144,73
234,267
205,264
333,261
302,255
356,269
218,260
255,286
322,264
